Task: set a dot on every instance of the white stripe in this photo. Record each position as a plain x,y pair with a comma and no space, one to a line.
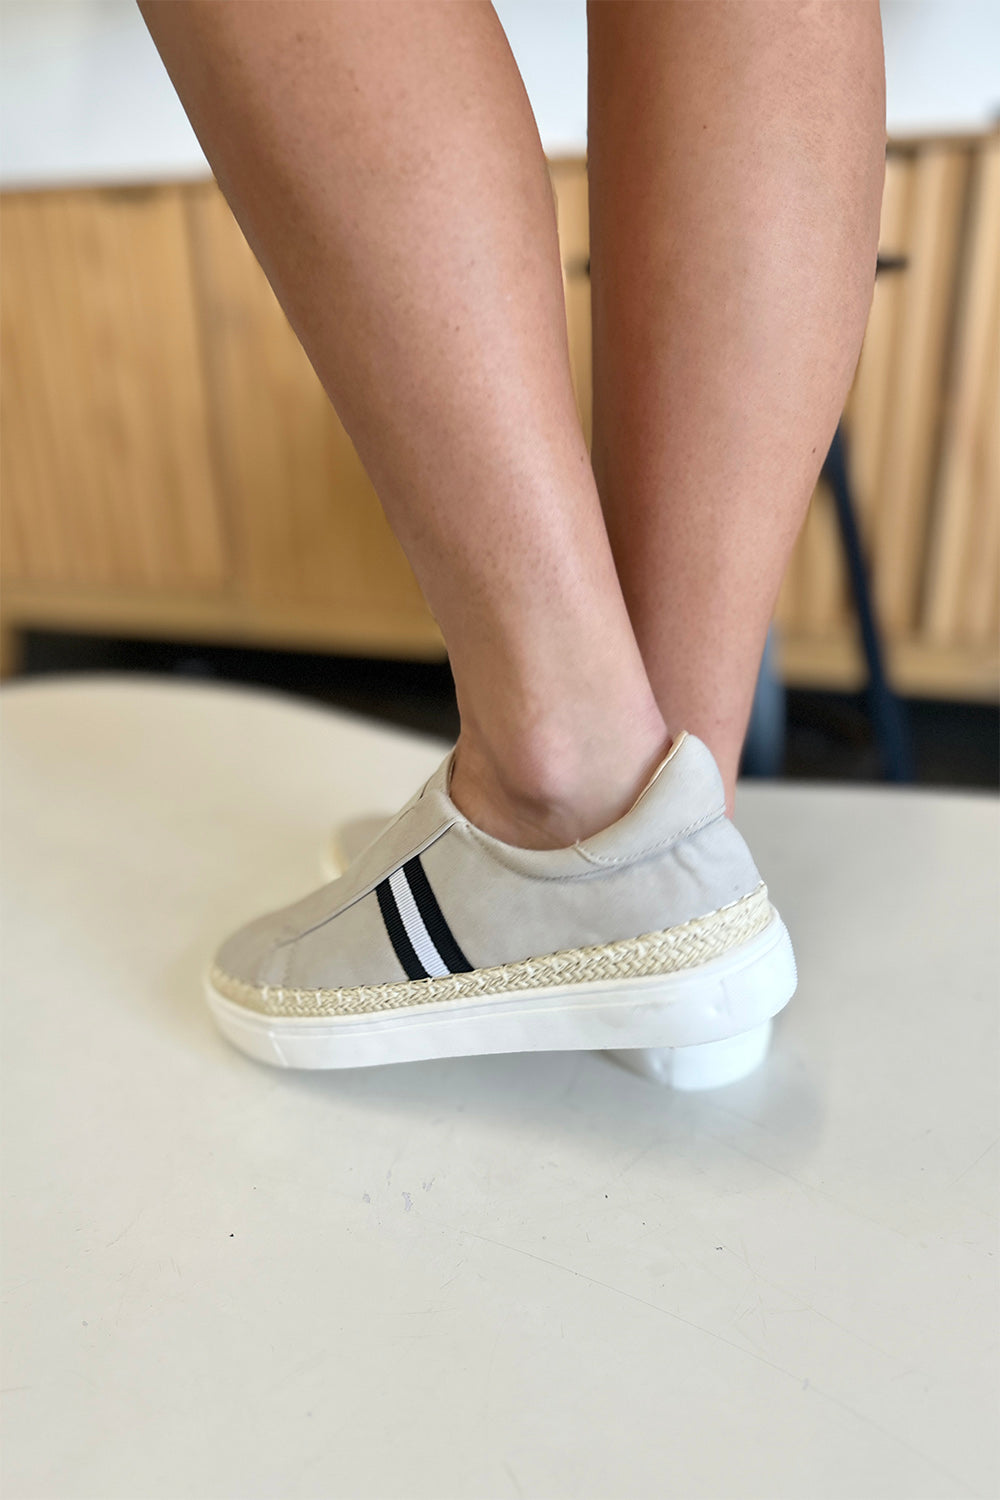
417,933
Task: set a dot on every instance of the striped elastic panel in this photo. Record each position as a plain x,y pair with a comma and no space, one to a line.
416,925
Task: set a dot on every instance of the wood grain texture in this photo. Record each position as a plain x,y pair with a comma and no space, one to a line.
823,603
10,651
978,598
358,630
866,411
569,183
919,669
171,465
962,557
912,417
105,466
306,524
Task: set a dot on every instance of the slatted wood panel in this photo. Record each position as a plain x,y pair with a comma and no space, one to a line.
308,530
872,395
106,471
922,421
569,181
170,463
900,515
893,424
922,428
963,556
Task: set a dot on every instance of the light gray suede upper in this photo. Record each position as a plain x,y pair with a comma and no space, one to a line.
673,856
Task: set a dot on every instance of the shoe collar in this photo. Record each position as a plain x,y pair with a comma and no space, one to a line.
670,804
440,780
675,745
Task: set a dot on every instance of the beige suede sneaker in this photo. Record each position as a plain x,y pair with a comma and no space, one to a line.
439,940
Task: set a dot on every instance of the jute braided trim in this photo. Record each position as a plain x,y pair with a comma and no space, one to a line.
681,947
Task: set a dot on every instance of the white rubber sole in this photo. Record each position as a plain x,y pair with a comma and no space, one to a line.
709,1065
700,1011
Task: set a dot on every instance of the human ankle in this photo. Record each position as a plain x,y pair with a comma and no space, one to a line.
549,794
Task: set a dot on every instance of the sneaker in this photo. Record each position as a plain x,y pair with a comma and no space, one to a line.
706,1066
440,940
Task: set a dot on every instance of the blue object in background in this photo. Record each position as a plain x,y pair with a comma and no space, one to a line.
764,745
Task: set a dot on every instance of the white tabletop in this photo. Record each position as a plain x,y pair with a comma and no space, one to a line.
533,1275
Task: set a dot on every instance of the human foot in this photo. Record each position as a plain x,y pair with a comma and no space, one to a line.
440,940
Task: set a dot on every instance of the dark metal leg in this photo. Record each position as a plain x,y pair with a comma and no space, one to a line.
764,745
886,708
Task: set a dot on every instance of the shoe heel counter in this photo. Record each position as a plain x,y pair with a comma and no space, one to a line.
742,856
720,855
729,847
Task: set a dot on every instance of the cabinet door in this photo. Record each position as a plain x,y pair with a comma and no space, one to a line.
569,182
310,537
105,466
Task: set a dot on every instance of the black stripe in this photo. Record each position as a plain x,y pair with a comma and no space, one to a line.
438,930
397,932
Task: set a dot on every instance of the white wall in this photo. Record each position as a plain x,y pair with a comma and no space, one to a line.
85,98
942,64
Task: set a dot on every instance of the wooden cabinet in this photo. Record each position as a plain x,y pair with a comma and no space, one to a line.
170,464
922,423
106,460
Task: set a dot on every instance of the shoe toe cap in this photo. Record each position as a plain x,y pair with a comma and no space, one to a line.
254,953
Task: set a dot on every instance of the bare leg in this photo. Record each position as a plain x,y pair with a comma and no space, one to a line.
736,160
384,164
